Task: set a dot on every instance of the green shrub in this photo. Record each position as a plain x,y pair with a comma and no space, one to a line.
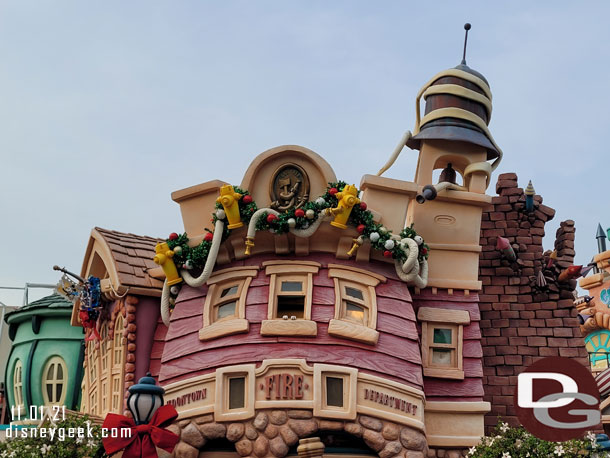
507,442
45,447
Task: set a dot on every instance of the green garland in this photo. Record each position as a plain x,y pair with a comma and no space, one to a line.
361,218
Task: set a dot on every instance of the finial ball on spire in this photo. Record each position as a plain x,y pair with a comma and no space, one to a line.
467,26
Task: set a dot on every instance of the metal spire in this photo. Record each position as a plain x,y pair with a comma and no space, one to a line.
467,27
601,239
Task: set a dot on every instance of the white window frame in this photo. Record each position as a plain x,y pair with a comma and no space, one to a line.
220,280
290,270
437,318
364,281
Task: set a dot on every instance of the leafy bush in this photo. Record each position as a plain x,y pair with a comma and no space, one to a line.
507,442
34,446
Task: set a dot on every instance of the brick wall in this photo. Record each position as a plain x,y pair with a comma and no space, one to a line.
522,321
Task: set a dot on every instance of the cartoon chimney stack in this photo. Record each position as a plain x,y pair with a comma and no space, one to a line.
453,138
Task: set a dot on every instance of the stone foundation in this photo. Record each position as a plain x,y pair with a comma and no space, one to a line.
271,433
442,453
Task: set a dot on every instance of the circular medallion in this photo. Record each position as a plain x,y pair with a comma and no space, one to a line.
289,188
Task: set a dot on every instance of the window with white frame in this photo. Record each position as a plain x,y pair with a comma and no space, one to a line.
18,384
442,341
224,310
290,295
234,393
54,381
335,396
355,303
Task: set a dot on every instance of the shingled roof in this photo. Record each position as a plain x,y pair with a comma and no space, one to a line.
131,259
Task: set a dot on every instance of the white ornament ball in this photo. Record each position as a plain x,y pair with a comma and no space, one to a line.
178,249
188,264
383,230
320,201
389,244
418,239
292,222
174,290
374,236
310,214
220,214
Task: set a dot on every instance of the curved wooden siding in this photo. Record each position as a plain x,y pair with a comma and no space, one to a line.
396,356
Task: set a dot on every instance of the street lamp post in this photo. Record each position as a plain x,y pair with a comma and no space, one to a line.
144,399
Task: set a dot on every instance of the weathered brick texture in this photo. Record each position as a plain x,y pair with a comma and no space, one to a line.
521,321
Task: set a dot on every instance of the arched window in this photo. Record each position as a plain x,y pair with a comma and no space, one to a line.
117,369
18,384
117,359
104,348
54,381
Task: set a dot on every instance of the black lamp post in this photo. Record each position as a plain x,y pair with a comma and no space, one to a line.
144,399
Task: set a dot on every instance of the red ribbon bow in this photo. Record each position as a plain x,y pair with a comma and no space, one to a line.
144,438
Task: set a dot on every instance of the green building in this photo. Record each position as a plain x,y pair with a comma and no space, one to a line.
46,359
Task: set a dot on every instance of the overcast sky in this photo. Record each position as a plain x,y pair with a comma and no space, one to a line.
108,107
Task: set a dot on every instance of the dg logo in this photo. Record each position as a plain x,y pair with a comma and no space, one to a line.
557,399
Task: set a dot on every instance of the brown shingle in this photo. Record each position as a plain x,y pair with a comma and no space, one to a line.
133,256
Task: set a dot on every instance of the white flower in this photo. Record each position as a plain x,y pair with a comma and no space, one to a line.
90,443
504,427
45,448
79,440
518,443
592,437
472,450
559,450
528,454
506,455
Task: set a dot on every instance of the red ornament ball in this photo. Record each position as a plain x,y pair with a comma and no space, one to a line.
247,199
387,254
362,205
424,251
173,236
299,213
271,218
360,228
208,237
333,191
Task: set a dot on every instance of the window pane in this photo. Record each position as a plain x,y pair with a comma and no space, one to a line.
290,306
58,389
50,392
237,395
292,286
354,311
60,372
226,310
442,336
334,391
50,372
353,292
229,291
441,356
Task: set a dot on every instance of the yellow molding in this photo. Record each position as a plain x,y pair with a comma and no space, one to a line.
592,281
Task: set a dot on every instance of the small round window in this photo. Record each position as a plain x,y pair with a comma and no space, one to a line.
54,381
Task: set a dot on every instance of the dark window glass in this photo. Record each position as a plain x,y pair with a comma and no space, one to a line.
290,306
442,336
354,311
237,393
356,293
292,286
226,310
229,291
334,391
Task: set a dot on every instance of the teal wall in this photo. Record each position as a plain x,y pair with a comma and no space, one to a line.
56,337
